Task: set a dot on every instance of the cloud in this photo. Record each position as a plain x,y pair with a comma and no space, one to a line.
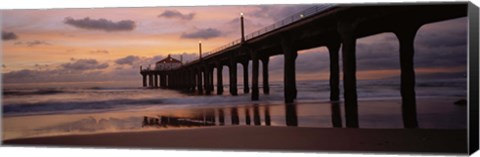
174,14
9,36
202,34
32,43
100,51
276,12
101,24
25,73
83,65
41,67
129,60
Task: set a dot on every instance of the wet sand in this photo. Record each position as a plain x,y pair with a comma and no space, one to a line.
271,138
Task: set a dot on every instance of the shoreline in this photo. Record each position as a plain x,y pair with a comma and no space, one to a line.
270,138
372,114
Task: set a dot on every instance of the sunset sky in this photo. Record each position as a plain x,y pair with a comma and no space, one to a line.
63,45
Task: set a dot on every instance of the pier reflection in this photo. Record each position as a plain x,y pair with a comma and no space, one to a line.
336,114
291,114
325,114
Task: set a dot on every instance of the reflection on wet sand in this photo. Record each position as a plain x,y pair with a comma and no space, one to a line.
234,113
291,114
207,118
256,115
373,114
247,116
267,116
285,115
221,117
336,114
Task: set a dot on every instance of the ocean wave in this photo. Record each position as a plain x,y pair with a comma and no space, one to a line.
33,92
59,107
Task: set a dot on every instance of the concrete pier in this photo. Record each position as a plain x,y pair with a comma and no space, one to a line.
330,26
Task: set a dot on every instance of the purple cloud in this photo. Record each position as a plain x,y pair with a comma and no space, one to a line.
174,14
202,34
101,24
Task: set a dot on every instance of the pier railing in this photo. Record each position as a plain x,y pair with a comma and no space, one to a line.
279,24
286,21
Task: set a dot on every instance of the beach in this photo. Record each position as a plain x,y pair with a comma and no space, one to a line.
271,138
158,118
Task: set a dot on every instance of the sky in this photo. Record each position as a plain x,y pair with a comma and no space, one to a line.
110,44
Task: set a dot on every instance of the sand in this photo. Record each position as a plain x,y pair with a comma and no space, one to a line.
271,138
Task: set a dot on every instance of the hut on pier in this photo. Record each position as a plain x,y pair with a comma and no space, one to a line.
168,63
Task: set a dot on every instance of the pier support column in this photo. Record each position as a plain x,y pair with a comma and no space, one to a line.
150,80
206,80
192,80
266,86
171,82
166,79
210,78
199,81
347,35
334,71
233,77
255,61
289,81
246,88
163,81
144,80
406,36
155,80
219,79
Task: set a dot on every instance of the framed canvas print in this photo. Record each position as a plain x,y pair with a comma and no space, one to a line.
378,77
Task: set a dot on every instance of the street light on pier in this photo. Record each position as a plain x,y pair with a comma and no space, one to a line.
200,49
242,27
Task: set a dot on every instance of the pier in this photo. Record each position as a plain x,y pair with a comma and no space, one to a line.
331,26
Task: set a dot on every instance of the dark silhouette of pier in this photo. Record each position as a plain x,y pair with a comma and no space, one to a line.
332,26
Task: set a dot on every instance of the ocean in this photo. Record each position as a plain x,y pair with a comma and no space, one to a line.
126,106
